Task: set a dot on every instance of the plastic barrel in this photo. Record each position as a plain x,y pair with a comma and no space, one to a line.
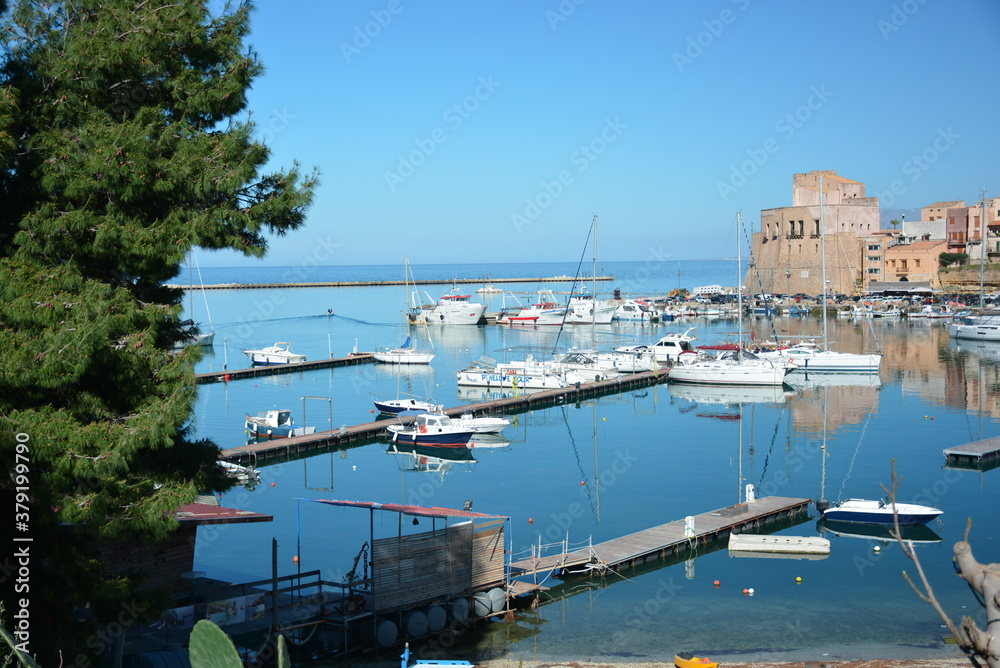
481,604
436,618
414,623
386,633
459,610
498,600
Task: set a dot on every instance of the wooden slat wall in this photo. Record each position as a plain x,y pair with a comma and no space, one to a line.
488,553
421,567
162,562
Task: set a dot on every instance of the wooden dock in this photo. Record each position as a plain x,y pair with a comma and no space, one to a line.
362,284
669,540
977,454
255,453
274,369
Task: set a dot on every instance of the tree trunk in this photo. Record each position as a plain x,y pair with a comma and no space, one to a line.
985,579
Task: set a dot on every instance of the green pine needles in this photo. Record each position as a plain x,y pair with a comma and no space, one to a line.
125,142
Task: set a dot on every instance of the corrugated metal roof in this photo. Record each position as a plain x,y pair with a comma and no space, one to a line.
203,513
419,511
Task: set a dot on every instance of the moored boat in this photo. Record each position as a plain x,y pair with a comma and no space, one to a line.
431,429
279,353
396,406
275,424
453,308
864,511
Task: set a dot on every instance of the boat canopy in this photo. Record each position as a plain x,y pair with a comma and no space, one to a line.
419,511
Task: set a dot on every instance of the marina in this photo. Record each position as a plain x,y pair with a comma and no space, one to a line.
584,467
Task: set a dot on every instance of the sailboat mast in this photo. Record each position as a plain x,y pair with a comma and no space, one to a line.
739,276
982,252
593,307
822,245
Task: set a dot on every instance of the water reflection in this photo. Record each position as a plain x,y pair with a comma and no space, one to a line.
917,534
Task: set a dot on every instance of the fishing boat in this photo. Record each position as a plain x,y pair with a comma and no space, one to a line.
275,424
545,312
586,310
689,660
863,511
431,429
279,353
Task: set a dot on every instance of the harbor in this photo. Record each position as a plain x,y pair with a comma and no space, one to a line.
585,467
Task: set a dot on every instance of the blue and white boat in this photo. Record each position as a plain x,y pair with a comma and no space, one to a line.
275,424
431,429
397,406
863,511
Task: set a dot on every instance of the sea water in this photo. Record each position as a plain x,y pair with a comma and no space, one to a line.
603,468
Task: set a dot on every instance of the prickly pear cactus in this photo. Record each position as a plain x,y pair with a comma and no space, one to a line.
210,647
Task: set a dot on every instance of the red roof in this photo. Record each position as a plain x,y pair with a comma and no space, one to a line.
204,513
420,511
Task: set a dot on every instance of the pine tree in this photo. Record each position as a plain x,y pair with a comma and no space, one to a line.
125,142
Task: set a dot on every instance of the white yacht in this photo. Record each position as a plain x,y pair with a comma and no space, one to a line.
453,308
730,367
586,310
668,349
808,356
279,353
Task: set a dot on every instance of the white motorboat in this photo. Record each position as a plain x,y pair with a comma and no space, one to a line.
668,349
808,356
931,312
864,511
527,374
453,308
984,327
587,364
585,310
275,424
431,429
481,425
279,353
247,476
631,310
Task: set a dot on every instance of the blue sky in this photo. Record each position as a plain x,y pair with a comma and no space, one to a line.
476,132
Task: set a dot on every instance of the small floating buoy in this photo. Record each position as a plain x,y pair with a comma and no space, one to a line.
878,548
274,484
354,468
746,591
717,583
531,520
371,410
583,482
295,559
226,377
604,419
798,580
750,591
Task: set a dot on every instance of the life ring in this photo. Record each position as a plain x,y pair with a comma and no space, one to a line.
422,429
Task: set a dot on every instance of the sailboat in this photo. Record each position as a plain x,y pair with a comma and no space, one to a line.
731,367
195,336
406,353
809,356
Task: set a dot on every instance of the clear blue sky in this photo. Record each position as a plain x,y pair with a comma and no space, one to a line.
474,132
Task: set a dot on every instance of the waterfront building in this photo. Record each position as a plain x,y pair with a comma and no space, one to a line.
939,210
915,262
787,251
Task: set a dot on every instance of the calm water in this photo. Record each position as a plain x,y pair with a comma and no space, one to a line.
600,469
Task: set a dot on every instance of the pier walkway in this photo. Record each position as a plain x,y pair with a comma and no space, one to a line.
255,453
666,540
273,369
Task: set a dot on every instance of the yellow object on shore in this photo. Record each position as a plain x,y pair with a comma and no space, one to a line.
689,660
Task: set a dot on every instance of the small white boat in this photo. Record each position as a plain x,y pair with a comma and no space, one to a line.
279,353
481,425
984,327
631,311
668,349
246,476
404,354
730,368
585,310
932,312
275,424
489,290
864,511
546,311
527,374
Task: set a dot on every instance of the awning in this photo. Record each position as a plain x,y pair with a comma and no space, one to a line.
418,511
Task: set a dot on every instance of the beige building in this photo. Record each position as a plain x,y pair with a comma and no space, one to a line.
914,263
939,210
788,250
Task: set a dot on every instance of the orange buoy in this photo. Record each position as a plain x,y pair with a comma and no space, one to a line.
531,520
295,559
717,583
273,484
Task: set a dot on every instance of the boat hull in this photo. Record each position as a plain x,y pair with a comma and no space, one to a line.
860,511
415,437
396,406
525,380
403,357
266,432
